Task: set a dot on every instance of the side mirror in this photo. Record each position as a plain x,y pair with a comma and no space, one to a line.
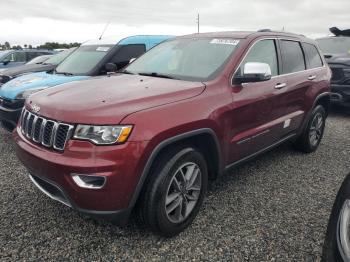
5,62
254,72
111,67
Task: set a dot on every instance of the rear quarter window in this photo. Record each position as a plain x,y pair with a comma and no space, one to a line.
292,57
313,57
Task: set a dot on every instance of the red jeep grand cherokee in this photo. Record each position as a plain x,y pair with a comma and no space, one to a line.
150,137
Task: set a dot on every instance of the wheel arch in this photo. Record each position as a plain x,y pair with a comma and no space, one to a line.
204,140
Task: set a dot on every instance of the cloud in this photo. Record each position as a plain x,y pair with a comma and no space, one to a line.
77,20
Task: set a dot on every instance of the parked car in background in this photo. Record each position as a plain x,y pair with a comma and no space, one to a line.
13,58
185,112
93,58
337,52
336,246
33,66
39,59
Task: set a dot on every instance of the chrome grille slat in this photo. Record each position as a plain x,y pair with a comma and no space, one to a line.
46,132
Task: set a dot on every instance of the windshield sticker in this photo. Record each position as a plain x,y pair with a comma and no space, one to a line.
224,41
102,48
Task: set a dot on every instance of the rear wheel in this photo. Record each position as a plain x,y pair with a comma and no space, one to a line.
311,137
175,191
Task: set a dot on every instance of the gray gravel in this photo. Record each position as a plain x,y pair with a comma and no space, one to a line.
273,208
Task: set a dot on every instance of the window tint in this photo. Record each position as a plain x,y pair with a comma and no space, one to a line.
292,57
16,57
313,58
127,52
263,52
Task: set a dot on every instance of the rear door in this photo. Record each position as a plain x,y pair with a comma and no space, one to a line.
297,82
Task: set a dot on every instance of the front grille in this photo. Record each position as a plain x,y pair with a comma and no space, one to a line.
337,74
43,131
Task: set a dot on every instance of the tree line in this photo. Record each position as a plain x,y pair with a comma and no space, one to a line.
47,45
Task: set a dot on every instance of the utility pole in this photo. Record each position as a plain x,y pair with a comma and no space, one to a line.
198,22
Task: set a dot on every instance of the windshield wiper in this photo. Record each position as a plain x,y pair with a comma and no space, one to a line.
154,74
126,72
64,73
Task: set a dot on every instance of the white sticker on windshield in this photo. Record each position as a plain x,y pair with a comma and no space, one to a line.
224,41
102,48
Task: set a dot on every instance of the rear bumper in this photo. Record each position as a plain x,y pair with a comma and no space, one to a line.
121,165
340,94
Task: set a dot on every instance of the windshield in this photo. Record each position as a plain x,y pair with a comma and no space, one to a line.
334,45
39,59
186,59
3,54
58,58
83,60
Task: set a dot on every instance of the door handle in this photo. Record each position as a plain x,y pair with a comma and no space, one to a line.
312,77
280,85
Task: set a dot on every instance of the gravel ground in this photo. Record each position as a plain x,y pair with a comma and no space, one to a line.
273,208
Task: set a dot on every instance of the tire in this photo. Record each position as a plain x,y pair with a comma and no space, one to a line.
165,189
334,247
312,135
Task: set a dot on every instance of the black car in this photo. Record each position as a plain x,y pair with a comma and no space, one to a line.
337,53
47,65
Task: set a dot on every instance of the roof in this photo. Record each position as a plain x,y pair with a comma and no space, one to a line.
127,40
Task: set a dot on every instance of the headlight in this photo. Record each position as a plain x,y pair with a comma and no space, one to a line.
26,94
103,135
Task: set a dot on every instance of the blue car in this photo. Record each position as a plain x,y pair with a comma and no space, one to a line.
13,58
93,58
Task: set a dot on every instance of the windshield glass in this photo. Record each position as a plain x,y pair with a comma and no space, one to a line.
3,54
83,60
39,59
58,58
334,45
186,59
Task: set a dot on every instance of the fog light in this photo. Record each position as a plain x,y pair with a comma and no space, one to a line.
89,181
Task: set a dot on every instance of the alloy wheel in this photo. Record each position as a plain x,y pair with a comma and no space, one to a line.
316,129
183,192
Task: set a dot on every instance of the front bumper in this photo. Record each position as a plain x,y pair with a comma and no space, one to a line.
340,94
10,111
52,171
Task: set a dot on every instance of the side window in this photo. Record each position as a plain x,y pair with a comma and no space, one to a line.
127,52
313,58
292,57
263,51
16,57
31,55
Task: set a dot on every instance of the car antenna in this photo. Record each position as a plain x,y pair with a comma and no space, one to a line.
104,30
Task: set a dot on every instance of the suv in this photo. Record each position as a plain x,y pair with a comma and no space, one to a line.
49,63
337,54
183,113
93,58
13,58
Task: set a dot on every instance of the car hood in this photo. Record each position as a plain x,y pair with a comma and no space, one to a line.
338,59
31,68
107,100
33,81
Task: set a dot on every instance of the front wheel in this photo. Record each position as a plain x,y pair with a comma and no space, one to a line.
312,135
337,242
175,191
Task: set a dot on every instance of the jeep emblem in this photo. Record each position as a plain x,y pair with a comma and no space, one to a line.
35,108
